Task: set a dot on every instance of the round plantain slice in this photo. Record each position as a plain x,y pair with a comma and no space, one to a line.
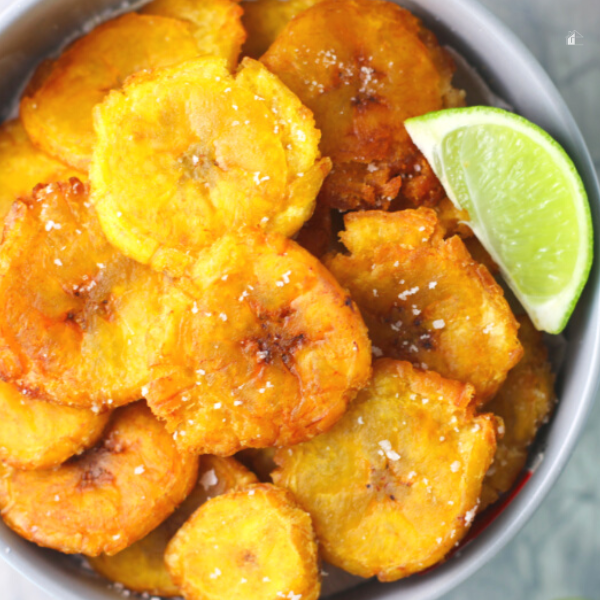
141,567
264,20
254,543
42,435
24,166
426,300
58,114
78,317
524,402
191,152
107,498
268,351
216,24
363,67
395,484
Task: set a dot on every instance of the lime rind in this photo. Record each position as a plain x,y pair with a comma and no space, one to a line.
429,132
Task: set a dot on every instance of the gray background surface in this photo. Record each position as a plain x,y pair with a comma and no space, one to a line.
557,554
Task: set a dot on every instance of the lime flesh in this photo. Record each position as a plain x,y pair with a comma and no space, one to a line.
526,202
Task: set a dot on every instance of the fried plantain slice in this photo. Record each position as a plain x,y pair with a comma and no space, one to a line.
425,300
363,67
264,20
255,543
268,351
107,498
41,435
524,402
190,152
141,567
78,317
24,166
58,114
395,484
216,24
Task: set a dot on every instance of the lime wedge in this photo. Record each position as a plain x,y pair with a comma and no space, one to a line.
525,199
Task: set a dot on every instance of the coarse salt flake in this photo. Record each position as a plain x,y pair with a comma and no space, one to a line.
209,479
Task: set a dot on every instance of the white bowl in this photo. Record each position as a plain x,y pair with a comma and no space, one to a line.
33,29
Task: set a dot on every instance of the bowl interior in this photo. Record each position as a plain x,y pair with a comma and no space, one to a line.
33,29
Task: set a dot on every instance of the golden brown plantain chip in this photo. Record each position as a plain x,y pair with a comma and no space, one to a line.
264,20
78,317
363,67
255,543
58,114
216,24
425,300
24,166
141,567
268,351
524,402
42,435
395,484
107,498
191,152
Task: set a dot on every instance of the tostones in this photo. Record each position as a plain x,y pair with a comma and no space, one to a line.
191,152
363,67
254,543
24,166
109,497
58,113
524,402
78,317
268,351
42,435
141,567
425,300
395,484
264,20
216,24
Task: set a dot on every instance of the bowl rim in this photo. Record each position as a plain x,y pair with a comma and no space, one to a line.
482,549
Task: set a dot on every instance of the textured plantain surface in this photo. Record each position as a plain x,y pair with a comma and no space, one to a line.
264,20
254,543
141,567
188,153
524,402
268,350
58,114
24,166
42,435
426,300
215,24
109,497
363,67
79,319
395,484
